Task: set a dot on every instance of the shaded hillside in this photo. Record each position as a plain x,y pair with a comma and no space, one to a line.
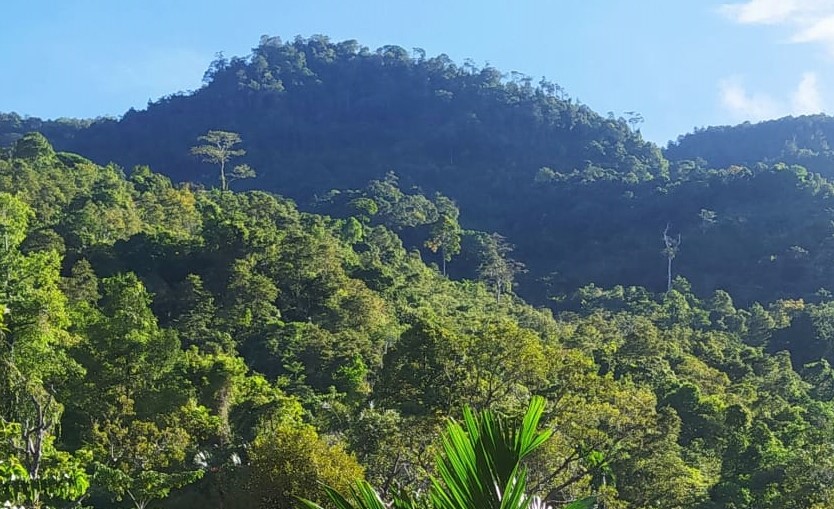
581,197
317,115
338,115
805,140
760,234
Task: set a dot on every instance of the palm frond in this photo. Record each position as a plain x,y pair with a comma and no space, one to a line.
363,496
480,467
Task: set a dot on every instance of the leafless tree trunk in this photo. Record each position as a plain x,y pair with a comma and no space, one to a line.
670,251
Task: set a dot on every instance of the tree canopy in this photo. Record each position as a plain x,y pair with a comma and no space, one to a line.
172,345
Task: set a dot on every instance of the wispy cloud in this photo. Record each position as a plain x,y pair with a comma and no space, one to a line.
806,98
742,104
810,21
821,30
761,11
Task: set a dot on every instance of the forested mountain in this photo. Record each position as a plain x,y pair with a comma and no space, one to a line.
804,141
317,115
198,344
581,197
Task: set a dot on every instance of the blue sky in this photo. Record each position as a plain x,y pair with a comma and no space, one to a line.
680,63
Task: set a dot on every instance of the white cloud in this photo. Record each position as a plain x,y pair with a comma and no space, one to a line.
761,11
742,104
821,30
810,21
806,98
806,22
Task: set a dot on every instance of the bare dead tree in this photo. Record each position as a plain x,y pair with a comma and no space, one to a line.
36,429
670,251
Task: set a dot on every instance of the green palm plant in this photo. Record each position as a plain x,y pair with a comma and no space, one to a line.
480,467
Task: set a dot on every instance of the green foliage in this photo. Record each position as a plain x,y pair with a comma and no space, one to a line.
803,140
444,236
219,148
327,115
183,347
60,477
289,461
224,331
581,195
480,466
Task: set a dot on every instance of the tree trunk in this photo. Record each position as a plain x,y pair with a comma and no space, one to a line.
443,256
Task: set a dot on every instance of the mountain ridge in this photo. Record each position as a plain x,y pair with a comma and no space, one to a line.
581,196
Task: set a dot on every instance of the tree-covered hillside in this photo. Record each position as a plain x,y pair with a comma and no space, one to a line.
801,140
168,345
317,115
342,114
581,197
